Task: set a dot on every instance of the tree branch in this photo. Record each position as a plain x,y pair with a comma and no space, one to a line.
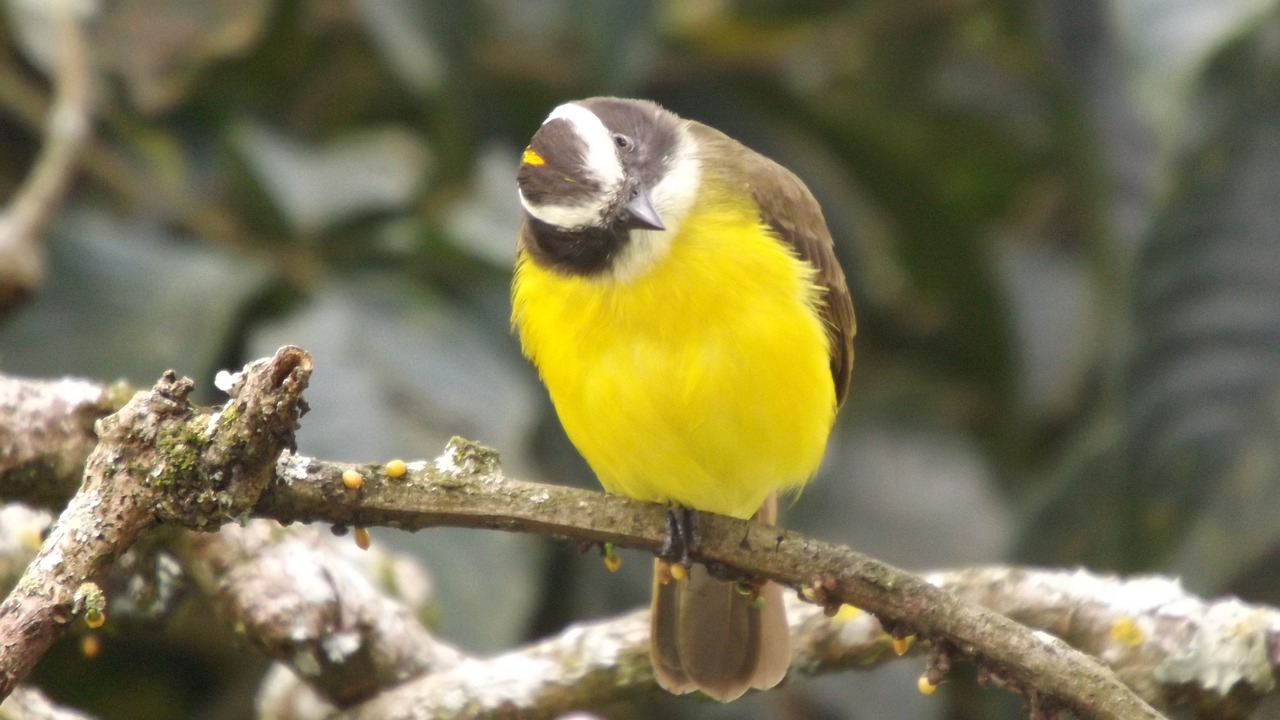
1219,657
465,487
303,606
593,663
1174,648
27,703
1148,644
158,459
28,215
48,434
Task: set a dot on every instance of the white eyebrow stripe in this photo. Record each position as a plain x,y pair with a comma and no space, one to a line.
602,156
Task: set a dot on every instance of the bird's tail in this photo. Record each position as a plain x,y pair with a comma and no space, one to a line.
707,634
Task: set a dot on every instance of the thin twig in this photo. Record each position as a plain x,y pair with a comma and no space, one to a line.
24,222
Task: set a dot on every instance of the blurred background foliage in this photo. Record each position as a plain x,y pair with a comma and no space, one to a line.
1058,219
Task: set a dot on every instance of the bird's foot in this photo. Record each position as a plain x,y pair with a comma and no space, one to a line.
682,536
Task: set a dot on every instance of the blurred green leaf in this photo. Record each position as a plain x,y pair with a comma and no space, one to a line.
483,223
1051,304
884,482
1204,436
1187,462
1168,45
125,299
403,36
159,47
622,39
1080,513
315,187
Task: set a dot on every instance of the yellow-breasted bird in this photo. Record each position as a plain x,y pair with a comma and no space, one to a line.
680,298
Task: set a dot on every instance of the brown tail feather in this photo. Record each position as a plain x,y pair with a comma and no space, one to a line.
775,640
706,635
663,620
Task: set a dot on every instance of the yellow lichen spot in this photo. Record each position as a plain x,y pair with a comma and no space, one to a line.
90,646
902,645
395,468
531,157
1125,632
352,479
846,613
88,599
925,687
362,538
678,572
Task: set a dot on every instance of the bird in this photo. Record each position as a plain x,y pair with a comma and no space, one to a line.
681,300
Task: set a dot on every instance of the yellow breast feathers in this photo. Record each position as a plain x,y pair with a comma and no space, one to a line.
704,382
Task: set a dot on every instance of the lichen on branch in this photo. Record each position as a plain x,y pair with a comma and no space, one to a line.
160,458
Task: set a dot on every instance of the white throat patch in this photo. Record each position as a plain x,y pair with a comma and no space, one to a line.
602,160
673,198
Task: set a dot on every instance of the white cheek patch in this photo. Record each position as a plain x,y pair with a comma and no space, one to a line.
602,155
673,198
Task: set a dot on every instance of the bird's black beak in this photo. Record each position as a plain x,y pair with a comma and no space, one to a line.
639,212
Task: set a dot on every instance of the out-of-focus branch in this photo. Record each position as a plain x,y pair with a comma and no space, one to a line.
27,703
157,459
1176,648
307,607
46,433
1220,657
136,184
285,695
25,220
585,666
21,533
593,663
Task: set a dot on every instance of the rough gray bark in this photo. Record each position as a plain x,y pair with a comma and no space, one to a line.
159,459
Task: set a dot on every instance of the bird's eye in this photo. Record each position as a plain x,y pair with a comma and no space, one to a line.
622,141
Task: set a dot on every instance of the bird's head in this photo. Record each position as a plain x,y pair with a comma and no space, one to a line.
598,164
